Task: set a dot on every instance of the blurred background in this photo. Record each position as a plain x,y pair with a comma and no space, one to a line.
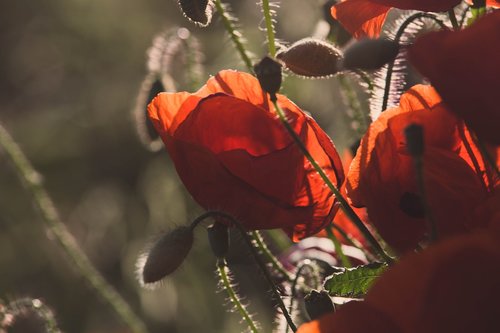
70,74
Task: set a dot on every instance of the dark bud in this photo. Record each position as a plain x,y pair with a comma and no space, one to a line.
166,255
197,11
268,72
218,237
414,139
318,304
370,54
311,58
478,3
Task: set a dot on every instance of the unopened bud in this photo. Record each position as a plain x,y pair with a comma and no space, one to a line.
311,58
414,139
166,255
318,304
268,72
197,11
218,237
370,54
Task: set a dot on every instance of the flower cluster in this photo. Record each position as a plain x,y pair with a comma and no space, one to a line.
421,193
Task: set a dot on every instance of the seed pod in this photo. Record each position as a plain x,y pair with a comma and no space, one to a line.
166,255
197,11
268,72
318,304
311,58
370,54
414,139
218,237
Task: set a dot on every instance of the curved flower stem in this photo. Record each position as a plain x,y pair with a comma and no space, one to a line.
305,264
338,248
234,34
50,217
272,259
397,38
255,254
269,27
343,202
222,269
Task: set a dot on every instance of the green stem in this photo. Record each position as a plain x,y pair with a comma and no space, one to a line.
269,27
50,217
234,34
272,259
226,283
353,104
338,248
453,19
343,202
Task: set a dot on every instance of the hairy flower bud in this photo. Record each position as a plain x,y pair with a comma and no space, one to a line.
166,255
311,58
218,237
318,304
370,54
268,72
197,11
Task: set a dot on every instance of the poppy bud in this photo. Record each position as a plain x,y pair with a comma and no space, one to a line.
166,255
370,54
268,72
311,58
197,11
218,237
318,304
415,139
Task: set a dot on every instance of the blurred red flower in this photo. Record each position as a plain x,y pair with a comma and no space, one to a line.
233,154
465,69
382,176
364,18
450,287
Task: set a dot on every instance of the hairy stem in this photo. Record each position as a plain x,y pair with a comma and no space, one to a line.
338,248
267,253
234,34
50,217
223,270
343,202
269,27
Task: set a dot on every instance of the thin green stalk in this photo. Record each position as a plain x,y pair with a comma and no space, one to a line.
431,222
338,248
343,202
453,19
226,283
269,27
353,104
50,217
234,34
267,253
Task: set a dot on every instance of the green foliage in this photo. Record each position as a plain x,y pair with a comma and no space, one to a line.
354,282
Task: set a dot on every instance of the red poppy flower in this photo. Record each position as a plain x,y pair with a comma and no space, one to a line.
364,18
450,287
382,175
233,154
465,69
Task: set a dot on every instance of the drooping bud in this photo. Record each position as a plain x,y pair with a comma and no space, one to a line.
268,72
311,58
197,11
165,256
318,304
370,54
414,139
218,237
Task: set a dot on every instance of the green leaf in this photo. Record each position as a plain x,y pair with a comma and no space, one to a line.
354,282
